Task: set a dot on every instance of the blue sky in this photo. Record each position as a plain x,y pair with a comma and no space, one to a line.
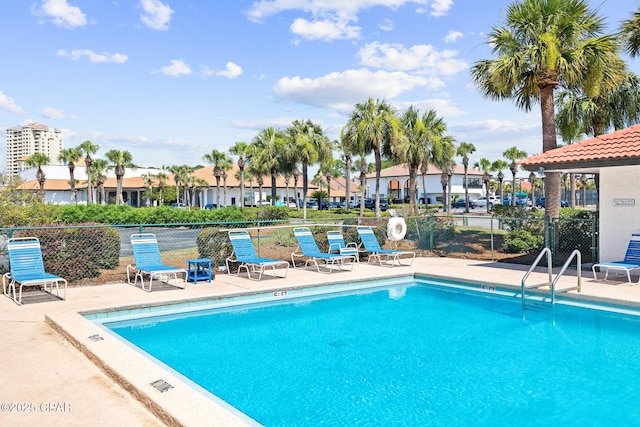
170,80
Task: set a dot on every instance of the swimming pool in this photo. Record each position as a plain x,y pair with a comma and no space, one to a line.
411,353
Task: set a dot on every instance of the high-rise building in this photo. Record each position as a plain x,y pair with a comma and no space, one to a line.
32,138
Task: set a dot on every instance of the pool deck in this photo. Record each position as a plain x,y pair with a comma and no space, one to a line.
57,372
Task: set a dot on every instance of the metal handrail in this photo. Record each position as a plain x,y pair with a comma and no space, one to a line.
575,253
544,251
552,282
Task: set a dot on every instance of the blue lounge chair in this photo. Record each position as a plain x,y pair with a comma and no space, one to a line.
377,253
309,249
26,268
337,245
630,263
245,254
148,262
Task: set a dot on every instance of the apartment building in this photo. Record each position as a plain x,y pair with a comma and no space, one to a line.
22,142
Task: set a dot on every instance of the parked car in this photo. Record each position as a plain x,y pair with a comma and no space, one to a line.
210,206
371,204
324,204
520,201
312,204
482,201
179,205
540,203
461,203
333,205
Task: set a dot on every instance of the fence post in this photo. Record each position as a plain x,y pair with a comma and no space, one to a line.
492,255
431,233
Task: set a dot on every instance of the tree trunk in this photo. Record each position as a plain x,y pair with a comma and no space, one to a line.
347,185
378,160
549,142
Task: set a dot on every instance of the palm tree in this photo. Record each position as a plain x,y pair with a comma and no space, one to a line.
99,175
498,166
38,160
485,166
412,148
240,149
347,153
88,148
162,182
545,44
70,156
121,159
464,149
309,145
514,154
269,144
371,125
631,33
221,162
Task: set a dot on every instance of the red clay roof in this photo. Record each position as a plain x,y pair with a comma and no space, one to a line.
618,148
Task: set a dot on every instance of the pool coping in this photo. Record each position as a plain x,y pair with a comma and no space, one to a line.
185,405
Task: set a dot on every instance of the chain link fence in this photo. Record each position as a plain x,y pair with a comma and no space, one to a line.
90,255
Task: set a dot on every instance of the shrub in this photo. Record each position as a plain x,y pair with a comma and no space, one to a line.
214,244
522,241
273,213
77,253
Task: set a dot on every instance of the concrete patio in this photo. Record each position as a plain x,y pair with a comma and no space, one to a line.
55,375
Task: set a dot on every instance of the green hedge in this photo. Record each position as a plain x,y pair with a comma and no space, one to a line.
77,253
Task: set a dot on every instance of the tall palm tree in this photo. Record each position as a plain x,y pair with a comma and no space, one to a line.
309,145
121,160
371,125
70,156
88,148
485,166
348,151
631,33
240,149
269,144
99,176
221,162
545,44
514,154
162,178
38,160
464,149
412,148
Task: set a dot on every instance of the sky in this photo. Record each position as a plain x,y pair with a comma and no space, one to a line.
171,80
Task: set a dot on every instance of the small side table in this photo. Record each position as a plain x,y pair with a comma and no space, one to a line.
199,269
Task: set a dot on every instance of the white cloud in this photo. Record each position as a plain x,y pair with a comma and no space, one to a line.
324,29
7,104
341,90
61,13
156,15
440,7
331,18
444,106
231,71
76,54
177,68
387,25
54,113
418,58
453,36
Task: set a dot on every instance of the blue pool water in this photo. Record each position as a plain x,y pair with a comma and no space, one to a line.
412,354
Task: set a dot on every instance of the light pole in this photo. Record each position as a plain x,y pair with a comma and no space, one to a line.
500,179
532,180
449,169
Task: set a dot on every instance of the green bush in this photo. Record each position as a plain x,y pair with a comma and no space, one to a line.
436,229
522,241
214,244
273,213
77,253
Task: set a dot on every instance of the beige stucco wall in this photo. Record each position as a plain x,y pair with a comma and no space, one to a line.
619,189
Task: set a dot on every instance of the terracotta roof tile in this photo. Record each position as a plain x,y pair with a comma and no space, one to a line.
621,146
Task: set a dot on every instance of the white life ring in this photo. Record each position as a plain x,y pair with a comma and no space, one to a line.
396,229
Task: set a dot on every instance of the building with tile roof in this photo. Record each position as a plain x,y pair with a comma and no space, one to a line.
615,158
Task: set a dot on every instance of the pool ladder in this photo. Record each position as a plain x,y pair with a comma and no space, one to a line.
551,282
